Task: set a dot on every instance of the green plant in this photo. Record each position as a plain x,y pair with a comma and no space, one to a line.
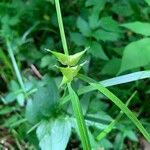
107,93
48,113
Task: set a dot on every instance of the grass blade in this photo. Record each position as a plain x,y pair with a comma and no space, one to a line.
18,74
110,82
120,104
114,122
79,118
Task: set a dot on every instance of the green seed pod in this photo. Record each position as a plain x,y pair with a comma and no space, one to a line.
69,60
69,73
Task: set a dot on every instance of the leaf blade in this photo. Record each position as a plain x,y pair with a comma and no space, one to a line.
79,118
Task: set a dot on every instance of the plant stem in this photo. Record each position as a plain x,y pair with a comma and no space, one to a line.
74,98
18,74
61,27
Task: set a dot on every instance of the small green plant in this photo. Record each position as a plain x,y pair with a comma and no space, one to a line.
69,73
49,119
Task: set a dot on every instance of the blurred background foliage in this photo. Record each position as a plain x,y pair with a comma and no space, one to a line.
31,26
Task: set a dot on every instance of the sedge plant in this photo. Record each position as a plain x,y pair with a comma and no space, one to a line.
70,71
70,68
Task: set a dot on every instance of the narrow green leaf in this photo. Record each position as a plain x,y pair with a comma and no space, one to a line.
114,122
5,60
121,105
79,118
138,27
110,82
18,74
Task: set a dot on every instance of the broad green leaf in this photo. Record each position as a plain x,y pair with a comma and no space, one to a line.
70,60
79,118
94,21
105,35
21,99
97,51
54,134
106,143
78,39
112,67
100,3
148,2
10,97
46,99
121,105
48,61
136,54
32,114
138,27
122,8
83,26
131,135
44,102
109,24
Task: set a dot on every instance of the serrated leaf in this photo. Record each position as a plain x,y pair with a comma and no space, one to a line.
109,24
97,51
78,38
122,8
54,134
136,54
83,26
138,27
69,60
105,35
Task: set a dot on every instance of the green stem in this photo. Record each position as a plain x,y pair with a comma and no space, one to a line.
61,27
79,118
74,98
18,74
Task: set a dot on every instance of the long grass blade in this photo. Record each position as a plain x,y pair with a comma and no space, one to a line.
110,82
18,74
121,105
79,118
114,122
